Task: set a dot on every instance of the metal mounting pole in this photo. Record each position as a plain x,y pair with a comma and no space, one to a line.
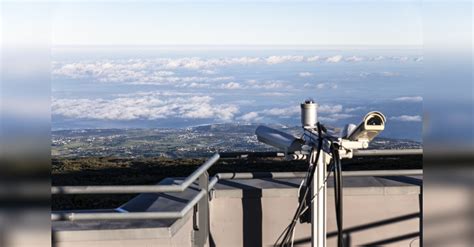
318,205
309,119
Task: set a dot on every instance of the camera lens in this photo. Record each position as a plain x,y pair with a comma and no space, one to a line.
375,120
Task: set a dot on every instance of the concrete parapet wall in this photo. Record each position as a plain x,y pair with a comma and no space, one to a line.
377,211
254,212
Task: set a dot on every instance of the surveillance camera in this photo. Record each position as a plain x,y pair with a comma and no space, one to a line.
281,140
371,126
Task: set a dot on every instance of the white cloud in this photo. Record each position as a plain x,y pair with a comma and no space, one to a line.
321,85
353,109
243,102
231,85
252,81
418,59
403,58
334,59
295,110
329,108
409,99
251,117
134,71
160,70
149,106
354,59
272,84
407,118
380,74
164,73
377,58
199,85
244,60
208,72
196,63
283,59
335,117
185,79
144,70
313,59
282,112
329,113
305,74
157,94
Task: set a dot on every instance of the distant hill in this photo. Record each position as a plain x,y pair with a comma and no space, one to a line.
145,156
198,141
133,171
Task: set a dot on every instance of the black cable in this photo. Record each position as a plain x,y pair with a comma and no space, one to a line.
338,197
336,194
341,200
336,168
288,233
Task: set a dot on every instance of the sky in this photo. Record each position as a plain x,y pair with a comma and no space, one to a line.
226,22
238,23
358,52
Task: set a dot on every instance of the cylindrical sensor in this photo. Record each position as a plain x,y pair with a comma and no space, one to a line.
309,115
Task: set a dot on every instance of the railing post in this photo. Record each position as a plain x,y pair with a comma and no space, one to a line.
201,232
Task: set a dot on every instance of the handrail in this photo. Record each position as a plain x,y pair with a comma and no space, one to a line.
388,152
200,173
359,153
135,189
130,216
277,175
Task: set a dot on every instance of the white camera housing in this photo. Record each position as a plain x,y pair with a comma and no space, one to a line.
371,126
281,140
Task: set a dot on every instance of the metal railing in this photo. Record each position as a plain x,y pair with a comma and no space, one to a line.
128,215
134,189
366,152
283,175
200,202
387,152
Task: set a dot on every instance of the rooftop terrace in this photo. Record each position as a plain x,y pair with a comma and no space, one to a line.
380,208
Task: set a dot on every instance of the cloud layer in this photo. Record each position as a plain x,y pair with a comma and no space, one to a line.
407,118
327,113
305,74
409,99
144,106
164,70
322,85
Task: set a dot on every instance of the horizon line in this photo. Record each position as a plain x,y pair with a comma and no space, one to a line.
218,46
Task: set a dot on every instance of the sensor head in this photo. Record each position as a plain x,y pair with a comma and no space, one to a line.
371,126
309,116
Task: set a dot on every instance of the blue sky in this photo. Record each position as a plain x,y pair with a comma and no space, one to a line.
281,52
370,54
238,23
